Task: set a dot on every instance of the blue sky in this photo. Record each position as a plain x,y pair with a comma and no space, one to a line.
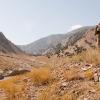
24,21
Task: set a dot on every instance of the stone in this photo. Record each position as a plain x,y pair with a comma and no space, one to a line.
1,71
64,84
13,72
86,67
85,98
1,77
99,79
96,78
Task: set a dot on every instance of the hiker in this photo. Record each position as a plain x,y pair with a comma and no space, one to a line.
97,32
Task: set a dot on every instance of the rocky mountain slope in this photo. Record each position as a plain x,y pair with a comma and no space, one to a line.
25,77
48,43
7,46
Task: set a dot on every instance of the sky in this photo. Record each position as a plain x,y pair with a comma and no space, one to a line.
24,21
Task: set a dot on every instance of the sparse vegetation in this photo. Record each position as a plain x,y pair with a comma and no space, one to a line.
49,92
57,67
69,97
53,94
58,49
59,78
90,56
41,76
72,74
89,74
13,90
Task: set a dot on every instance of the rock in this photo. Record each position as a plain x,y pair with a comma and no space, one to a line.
1,71
86,67
85,98
96,78
25,68
64,84
1,77
68,54
13,72
89,65
99,79
17,72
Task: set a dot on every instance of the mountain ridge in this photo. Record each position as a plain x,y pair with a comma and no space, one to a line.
6,46
42,45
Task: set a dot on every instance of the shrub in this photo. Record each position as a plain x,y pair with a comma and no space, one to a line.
41,75
89,74
13,91
14,88
90,56
50,93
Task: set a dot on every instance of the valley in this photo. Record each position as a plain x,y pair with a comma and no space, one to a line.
70,73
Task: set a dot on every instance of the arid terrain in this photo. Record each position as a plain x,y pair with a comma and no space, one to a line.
73,74
49,50
75,78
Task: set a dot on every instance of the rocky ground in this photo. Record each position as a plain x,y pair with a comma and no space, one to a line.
63,78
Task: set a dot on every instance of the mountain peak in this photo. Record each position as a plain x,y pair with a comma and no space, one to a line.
44,44
7,46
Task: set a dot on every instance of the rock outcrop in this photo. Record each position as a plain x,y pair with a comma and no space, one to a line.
7,46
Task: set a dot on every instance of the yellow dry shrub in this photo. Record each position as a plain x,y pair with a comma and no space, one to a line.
89,74
90,56
41,75
13,90
50,93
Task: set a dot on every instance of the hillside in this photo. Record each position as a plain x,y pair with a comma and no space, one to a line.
26,77
48,43
64,78
7,46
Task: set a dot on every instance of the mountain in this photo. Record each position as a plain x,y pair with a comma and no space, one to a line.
7,46
43,44
48,43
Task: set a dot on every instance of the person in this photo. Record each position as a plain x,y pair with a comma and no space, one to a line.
97,32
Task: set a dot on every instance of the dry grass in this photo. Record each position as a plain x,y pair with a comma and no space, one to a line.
41,75
51,93
13,91
75,74
69,97
15,88
89,74
90,56
57,97
72,74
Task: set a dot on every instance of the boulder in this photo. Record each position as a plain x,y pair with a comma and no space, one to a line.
14,72
18,72
1,77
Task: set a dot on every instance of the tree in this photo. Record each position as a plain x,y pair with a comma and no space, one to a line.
58,49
